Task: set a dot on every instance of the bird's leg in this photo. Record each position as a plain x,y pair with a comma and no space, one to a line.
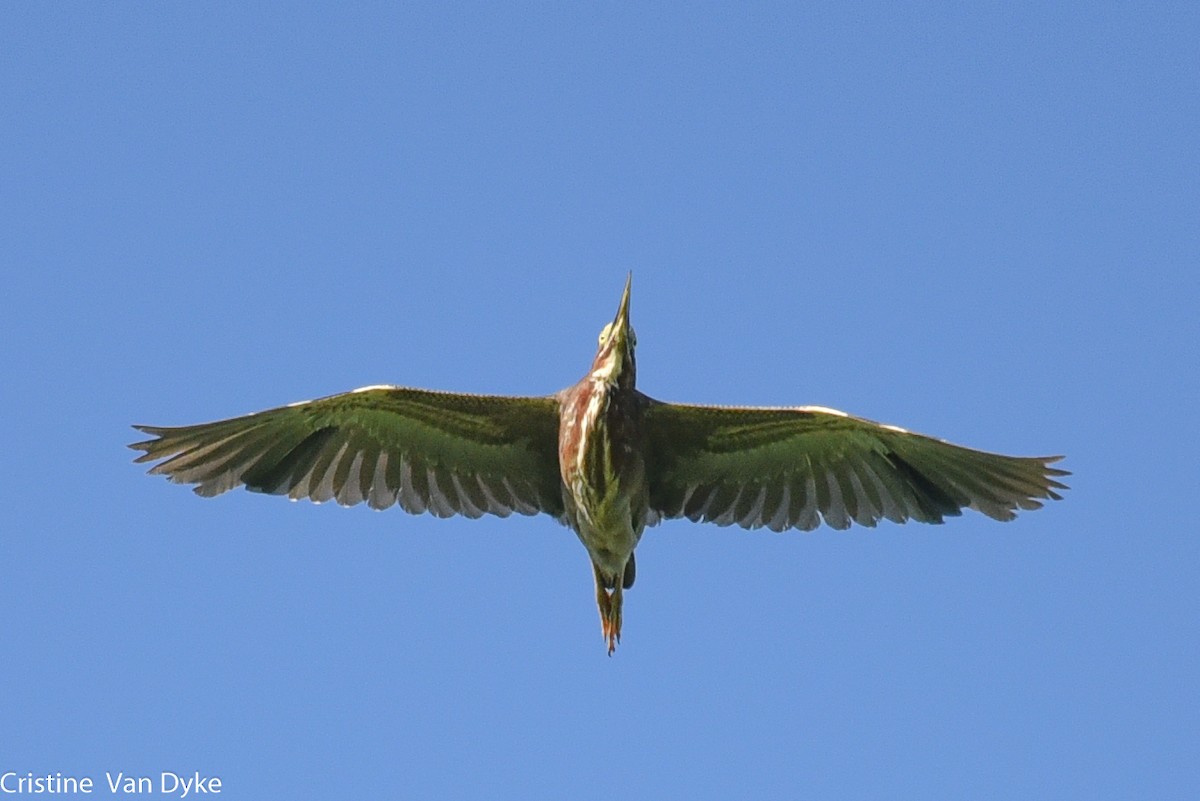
603,602
614,617
609,602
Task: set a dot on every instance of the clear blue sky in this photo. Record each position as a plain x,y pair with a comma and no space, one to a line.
980,221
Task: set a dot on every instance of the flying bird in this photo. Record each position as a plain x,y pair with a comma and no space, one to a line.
600,457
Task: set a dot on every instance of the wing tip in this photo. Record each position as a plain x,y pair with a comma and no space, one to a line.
1051,474
148,447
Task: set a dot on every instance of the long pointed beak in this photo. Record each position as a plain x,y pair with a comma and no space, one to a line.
620,325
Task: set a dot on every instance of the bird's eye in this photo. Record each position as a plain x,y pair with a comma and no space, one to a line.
604,332
632,338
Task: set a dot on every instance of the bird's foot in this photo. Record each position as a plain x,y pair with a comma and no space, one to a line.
609,603
611,630
610,616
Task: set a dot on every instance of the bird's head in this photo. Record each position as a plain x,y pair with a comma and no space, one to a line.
614,362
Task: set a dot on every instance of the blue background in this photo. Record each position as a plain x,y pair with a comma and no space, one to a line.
981,221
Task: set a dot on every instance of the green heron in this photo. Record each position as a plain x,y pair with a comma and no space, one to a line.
601,458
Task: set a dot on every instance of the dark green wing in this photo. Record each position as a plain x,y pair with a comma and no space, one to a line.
793,468
439,452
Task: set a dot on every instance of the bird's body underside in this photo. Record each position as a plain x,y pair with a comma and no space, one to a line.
602,458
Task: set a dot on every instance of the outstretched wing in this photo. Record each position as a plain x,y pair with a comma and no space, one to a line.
439,452
793,468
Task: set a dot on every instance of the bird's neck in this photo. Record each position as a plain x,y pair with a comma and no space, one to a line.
614,374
